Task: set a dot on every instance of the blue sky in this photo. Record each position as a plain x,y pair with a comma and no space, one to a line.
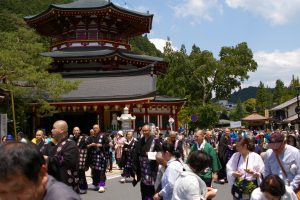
270,27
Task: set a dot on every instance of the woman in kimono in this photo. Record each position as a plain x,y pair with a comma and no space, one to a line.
244,169
119,142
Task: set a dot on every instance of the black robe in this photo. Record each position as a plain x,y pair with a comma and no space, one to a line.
143,146
63,161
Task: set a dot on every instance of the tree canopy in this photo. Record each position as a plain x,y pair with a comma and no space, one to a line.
197,75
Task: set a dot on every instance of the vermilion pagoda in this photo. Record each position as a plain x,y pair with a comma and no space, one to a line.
90,44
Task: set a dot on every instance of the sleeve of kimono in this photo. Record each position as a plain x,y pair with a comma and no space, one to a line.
231,167
68,156
258,167
216,165
106,143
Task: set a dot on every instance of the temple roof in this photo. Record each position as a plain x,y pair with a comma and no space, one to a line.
164,98
112,88
54,20
254,117
87,5
97,52
116,73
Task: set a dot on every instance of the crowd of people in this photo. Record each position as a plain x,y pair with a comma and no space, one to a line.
258,165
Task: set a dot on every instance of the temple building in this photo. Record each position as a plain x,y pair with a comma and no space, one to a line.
90,43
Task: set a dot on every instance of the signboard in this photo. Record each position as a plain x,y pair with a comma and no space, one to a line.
236,124
194,117
3,125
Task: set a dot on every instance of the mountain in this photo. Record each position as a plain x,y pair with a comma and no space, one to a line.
243,94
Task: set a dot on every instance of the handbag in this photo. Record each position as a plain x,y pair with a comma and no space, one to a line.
236,191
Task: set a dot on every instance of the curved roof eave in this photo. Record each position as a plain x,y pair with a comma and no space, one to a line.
104,52
86,6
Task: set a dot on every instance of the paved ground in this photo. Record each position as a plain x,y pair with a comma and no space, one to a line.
118,191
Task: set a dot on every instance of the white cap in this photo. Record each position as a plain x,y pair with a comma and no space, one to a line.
120,133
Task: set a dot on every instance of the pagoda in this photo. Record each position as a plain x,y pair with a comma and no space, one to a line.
90,44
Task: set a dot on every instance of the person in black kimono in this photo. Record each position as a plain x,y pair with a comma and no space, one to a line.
63,158
80,140
223,153
145,168
98,146
178,144
127,156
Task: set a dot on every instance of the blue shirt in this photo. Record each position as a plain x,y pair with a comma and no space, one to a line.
290,160
173,171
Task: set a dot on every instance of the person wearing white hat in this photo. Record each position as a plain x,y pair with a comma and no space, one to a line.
120,140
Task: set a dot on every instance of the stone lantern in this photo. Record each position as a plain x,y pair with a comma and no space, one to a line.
126,119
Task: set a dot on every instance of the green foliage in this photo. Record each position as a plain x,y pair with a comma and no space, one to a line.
142,45
243,94
250,105
263,99
197,75
28,7
25,71
207,116
278,95
238,112
10,21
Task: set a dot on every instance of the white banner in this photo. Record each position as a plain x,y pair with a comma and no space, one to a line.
3,125
236,124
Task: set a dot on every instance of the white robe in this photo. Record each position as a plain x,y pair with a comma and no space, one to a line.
255,163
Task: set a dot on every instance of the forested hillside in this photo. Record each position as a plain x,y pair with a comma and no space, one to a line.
243,94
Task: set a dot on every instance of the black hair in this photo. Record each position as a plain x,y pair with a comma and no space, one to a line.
199,160
291,140
273,185
17,157
246,141
170,147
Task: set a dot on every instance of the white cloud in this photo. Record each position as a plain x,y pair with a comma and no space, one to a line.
275,65
161,43
277,11
199,9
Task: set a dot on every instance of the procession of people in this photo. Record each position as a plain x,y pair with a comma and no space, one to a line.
167,164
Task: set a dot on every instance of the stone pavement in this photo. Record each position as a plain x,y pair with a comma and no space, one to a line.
116,172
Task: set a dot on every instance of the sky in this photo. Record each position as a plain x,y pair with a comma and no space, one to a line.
271,29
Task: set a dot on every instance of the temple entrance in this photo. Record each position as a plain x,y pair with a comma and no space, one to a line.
84,121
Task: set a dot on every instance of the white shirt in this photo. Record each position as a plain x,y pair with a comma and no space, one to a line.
255,163
289,194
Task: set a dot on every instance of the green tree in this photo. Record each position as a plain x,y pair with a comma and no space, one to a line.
207,116
24,72
293,88
263,98
279,92
196,76
250,105
168,48
238,112
142,45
